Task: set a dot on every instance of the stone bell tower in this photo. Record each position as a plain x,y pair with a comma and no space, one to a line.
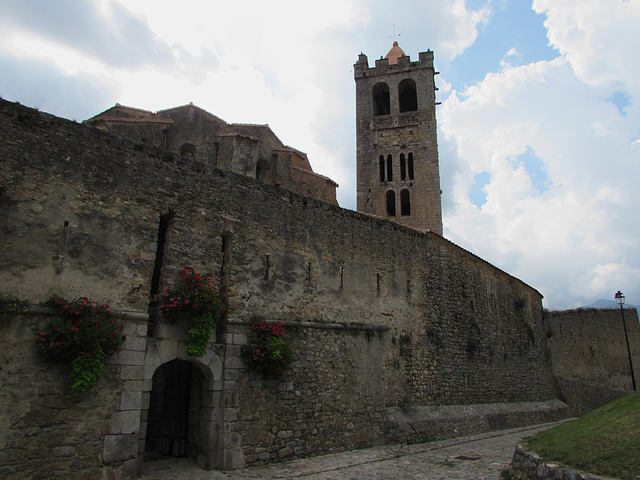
397,149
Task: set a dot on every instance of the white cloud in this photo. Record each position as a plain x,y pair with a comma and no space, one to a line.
598,37
556,239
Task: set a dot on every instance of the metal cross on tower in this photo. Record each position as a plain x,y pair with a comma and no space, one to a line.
394,33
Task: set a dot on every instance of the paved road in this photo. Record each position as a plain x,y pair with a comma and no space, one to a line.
480,457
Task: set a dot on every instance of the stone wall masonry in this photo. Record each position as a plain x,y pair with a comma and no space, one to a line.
80,214
588,351
48,432
529,466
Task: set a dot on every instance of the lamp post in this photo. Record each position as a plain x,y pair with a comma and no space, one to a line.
620,301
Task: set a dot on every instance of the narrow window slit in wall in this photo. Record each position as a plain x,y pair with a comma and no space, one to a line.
269,264
226,241
341,274
378,284
161,248
309,275
59,258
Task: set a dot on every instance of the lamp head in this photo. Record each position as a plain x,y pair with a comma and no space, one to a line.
619,298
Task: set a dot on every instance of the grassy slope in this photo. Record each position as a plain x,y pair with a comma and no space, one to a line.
603,442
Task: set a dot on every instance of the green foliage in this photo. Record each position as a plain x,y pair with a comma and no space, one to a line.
199,334
603,442
86,370
194,298
82,337
10,305
267,351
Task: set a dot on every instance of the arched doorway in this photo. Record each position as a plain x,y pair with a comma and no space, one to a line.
174,426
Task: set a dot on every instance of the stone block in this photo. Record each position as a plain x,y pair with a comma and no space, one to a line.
125,422
118,448
231,440
128,469
218,385
130,400
135,343
240,339
215,364
129,328
230,415
232,374
230,385
132,372
232,458
127,357
234,362
285,452
168,349
63,451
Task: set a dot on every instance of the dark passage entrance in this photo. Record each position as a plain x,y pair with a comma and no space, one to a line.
174,410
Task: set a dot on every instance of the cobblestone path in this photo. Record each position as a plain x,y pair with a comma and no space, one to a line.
479,457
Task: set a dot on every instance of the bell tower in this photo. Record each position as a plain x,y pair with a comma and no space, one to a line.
397,149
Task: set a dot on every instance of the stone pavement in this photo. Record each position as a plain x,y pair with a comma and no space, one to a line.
479,457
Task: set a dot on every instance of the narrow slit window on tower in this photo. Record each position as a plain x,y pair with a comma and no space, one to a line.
389,168
403,167
408,99
381,168
410,166
391,203
381,99
405,203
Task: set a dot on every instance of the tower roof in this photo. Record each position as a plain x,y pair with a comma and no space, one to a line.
394,53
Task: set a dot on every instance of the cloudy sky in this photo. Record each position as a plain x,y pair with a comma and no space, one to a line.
539,126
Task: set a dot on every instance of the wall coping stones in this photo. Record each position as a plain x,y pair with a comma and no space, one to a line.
320,325
529,466
420,424
123,314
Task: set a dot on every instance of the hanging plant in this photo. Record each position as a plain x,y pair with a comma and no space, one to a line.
83,337
193,298
267,351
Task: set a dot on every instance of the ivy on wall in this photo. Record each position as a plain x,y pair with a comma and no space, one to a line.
195,299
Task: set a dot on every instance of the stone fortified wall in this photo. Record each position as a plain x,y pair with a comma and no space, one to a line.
385,321
588,351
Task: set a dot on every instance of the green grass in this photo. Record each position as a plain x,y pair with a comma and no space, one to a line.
603,442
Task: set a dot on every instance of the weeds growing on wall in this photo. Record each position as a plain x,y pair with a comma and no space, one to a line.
84,335
194,298
267,351
11,306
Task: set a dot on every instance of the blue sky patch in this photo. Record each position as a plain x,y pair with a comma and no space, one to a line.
477,192
535,167
511,25
621,100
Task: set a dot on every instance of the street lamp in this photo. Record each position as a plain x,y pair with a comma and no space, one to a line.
620,301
